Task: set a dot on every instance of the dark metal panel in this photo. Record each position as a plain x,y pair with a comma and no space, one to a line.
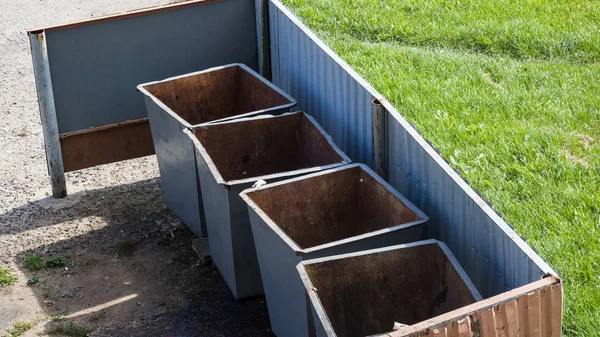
96,67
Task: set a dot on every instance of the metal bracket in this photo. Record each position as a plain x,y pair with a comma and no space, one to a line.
379,137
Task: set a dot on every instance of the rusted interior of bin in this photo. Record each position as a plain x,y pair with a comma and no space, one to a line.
332,207
365,295
263,146
216,94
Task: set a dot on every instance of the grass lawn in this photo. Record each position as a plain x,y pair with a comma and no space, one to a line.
509,91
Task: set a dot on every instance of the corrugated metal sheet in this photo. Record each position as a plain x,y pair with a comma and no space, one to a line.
533,310
323,86
494,256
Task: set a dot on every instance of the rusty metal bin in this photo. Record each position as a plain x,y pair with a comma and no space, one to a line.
342,210
211,95
371,292
232,156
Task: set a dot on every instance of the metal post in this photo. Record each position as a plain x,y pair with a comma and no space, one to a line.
379,137
43,81
262,37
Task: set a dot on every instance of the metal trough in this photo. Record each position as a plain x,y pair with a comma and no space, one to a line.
342,210
373,292
211,95
234,155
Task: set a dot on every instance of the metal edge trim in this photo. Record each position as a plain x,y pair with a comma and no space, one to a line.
461,272
104,127
123,15
142,88
315,300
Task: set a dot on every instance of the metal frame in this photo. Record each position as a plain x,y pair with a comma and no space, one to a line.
173,114
110,125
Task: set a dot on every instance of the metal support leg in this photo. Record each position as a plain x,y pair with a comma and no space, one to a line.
262,31
43,81
379,134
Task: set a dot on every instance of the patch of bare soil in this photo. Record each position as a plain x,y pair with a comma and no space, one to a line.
132,273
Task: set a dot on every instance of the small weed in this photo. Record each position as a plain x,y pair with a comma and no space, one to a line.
69,329
7,277
98,315
177,258
23,131
58,318
18,329
162,303
57,262
192,292
126,248
46,293
32,280
34,262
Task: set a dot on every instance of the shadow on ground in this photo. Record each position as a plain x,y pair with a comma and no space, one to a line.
133,273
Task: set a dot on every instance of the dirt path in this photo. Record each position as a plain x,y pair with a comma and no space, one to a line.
129,269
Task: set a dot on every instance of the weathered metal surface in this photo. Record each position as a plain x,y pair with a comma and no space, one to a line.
234,155
328,88
342,210
493,255
531,310
96,64
198,98
96,67
106,144
366,293
43,80
379,141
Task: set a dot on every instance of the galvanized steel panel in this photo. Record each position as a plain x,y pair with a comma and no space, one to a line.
493,255
95,68
177,164
323,85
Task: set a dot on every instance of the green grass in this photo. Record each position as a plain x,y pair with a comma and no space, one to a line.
34,262
69,329
518,115
57,318
544,29
55,262
18,329
7,277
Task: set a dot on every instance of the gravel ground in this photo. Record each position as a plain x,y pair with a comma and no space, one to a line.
156,289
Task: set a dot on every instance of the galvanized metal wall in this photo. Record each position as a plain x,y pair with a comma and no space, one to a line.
96,65
493,255
303,66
